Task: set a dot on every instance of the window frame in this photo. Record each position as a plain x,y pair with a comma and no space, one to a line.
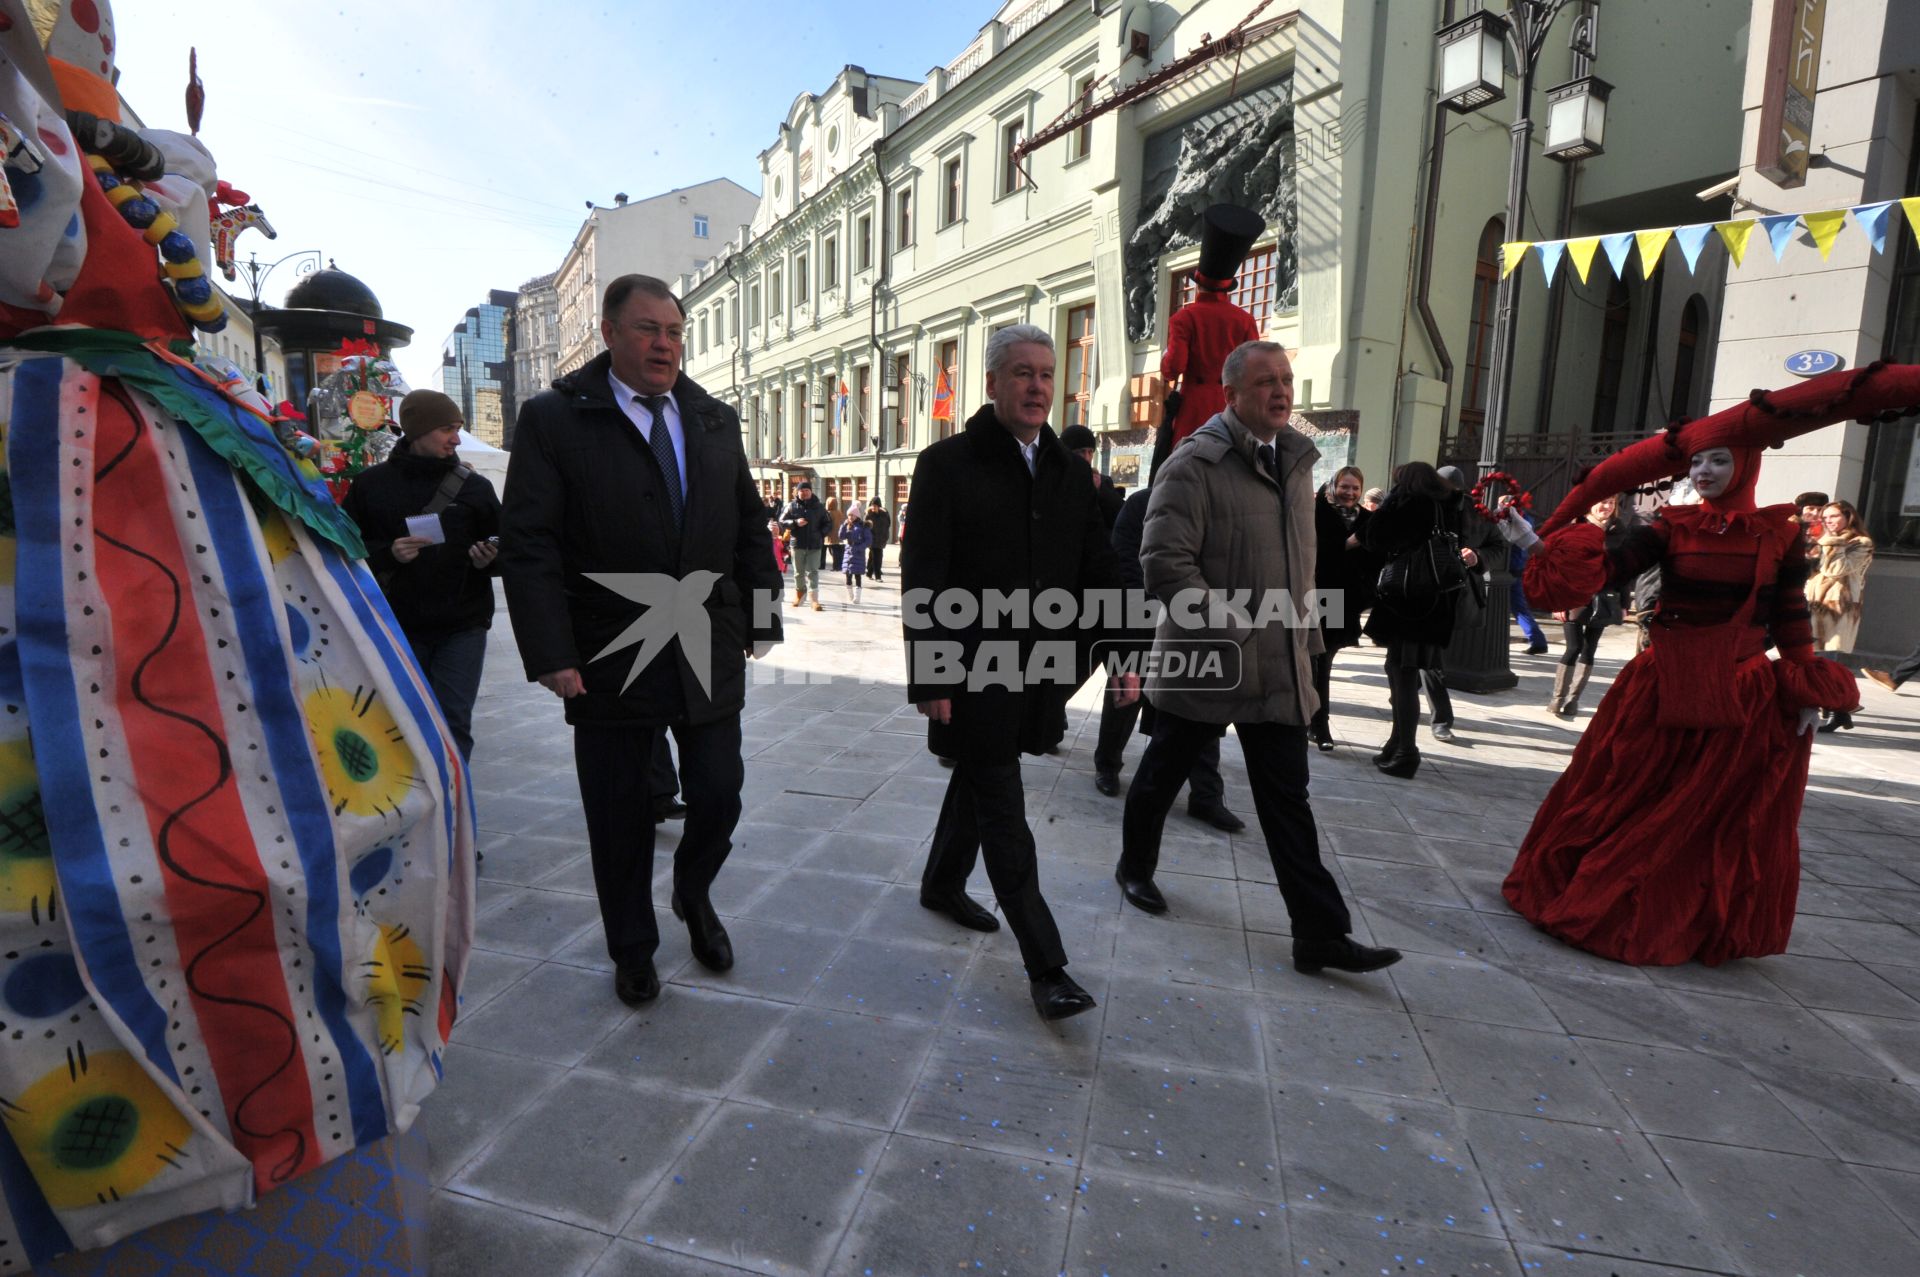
1076,402
863,232
903,218
702,226
802,279
1080,141
1476,364
1011,132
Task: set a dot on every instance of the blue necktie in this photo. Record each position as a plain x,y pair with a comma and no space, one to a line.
663,453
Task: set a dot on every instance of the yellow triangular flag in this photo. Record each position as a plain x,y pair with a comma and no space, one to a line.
1582,251
1652,244
1911,207
1511,255
1735,236
1825,228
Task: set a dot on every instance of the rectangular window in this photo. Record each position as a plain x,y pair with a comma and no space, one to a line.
950,192
776,300
829,263
1079,381
903,218
860,408
1011,135
800,279
863,245
699,226
1081,144
776,423
903,418
1254,288
950,364
753,306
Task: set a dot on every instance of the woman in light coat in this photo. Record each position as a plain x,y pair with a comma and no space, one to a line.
1834,589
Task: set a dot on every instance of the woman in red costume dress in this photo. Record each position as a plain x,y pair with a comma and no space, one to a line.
1673,836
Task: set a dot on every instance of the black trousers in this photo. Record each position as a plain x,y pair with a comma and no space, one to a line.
665,780
1907,668
617,790
1323,689
1277,769
985,813
1205,788
1582,639
876,559
1436,684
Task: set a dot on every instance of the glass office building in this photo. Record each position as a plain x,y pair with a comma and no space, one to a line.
476,366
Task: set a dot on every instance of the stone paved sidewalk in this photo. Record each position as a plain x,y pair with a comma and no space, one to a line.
869,1092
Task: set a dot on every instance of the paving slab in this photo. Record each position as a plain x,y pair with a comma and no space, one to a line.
868,1090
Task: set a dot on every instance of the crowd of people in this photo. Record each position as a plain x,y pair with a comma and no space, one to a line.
626,468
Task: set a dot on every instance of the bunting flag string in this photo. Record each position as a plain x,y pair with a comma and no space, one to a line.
1822,226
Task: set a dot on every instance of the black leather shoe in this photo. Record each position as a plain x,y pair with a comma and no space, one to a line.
1107,783
1536,649
1057,997
1324,739
669,811
708,939
1310,957
962,908
1219,817
1839,720
1403,763
1443,731
636,982
1140,892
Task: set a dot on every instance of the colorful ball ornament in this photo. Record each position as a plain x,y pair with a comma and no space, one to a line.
192,292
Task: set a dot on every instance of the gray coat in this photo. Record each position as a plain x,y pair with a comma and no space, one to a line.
1217,521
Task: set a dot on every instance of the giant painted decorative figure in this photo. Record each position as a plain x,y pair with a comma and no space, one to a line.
235,837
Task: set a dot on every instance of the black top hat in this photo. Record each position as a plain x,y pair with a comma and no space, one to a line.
1227,231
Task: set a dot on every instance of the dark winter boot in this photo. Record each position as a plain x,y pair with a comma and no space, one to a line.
1570,707
1562,677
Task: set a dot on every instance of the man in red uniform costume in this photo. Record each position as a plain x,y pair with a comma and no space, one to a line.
1204,332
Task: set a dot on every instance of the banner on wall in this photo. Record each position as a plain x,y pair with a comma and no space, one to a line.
1649,247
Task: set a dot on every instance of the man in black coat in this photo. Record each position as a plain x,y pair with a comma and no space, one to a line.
633,530
1001,506
882,524
807,519
1080,442
440,590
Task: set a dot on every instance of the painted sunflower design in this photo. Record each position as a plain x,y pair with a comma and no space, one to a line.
364,757
95,1129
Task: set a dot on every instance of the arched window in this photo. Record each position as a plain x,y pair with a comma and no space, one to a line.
1693,321
1479,360
1613,358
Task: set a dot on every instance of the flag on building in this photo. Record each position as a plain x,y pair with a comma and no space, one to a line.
942,395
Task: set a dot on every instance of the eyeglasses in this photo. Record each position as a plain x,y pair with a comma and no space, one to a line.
674,333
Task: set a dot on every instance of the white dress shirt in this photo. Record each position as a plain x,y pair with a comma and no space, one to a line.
1029,451
629,400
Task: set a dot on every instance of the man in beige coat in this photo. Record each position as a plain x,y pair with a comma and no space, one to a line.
1233,513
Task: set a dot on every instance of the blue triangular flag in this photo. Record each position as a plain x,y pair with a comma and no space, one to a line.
1618,246
1779,229
1691,240
1873,220
1550,252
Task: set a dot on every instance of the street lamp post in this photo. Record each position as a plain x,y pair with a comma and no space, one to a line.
256,281
1473,55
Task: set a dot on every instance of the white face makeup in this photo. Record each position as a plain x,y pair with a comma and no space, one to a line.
1711,472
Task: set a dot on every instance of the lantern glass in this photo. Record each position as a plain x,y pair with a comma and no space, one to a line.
1577,118
1473,61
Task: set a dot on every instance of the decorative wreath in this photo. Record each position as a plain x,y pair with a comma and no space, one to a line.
1522,499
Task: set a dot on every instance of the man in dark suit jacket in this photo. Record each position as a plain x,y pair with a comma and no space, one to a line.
632,525
1001,506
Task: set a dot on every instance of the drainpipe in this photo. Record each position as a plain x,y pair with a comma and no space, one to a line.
1429,218
879,386
1556,313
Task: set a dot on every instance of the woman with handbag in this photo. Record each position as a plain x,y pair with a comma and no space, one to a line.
1834,589
1416,534
1581,629
1673,834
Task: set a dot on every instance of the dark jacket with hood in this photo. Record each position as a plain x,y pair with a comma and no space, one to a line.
585,495
440,592
981,522
813,533
1404,521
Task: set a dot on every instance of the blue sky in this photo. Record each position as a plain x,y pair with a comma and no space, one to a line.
439,150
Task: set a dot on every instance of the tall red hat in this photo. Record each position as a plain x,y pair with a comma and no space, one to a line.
1878,392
